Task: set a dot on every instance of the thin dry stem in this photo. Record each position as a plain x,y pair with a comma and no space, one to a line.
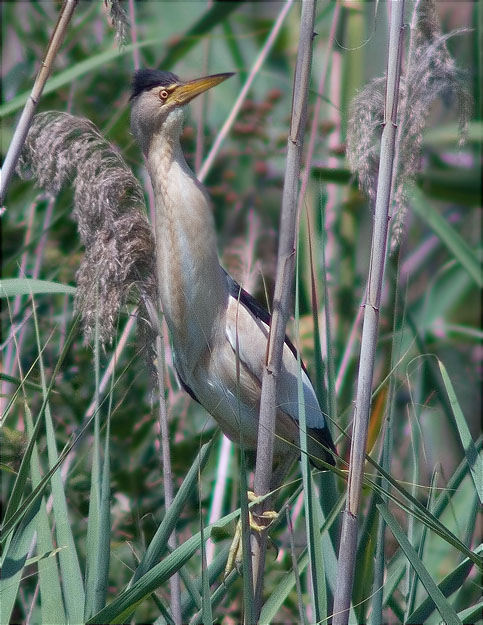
25,120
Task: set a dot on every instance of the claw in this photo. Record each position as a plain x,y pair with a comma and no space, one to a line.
235,553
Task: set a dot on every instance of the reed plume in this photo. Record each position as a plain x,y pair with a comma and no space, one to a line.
431,73
109,209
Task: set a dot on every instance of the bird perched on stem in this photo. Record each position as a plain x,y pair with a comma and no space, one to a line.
219,332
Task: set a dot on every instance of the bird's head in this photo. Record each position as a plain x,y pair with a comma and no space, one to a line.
157,101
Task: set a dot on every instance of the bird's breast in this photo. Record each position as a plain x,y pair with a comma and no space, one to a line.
192,287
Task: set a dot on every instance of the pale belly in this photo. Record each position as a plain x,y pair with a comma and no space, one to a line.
234,406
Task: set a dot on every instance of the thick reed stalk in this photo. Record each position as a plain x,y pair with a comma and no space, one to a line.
348,544
25,120
284,278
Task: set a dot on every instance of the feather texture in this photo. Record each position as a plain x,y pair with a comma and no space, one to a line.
219,331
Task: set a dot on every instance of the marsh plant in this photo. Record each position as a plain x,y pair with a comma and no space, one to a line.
418,550
109,210
430,73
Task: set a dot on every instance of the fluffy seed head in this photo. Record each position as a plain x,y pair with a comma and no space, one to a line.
109,210
430,74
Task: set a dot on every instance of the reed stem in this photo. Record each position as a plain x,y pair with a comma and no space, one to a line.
284,279
348,544
25,120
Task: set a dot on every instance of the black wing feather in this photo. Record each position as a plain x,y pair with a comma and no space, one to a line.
236,291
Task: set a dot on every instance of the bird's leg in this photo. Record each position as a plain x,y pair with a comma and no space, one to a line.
263,519
235,553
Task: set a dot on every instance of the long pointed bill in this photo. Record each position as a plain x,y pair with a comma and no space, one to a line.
189,90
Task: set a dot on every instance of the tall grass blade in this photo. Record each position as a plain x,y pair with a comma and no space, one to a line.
332,403
129,599
450,584
448,235
51,602
71,576
295,570
93,541
104,516
415,477
206,611
37,492
13,561
246,536
18,382
413,586
320,387
318,595
420,512
397,313
474,459
454,482
191,586
192,597
218,595
12,287
158,545
366,559
326,395
379,556
447,612
394,574
472,614
13,514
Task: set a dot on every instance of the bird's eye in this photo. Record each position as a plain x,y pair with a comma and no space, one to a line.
163,94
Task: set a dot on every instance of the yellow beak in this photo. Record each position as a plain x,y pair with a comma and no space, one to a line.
189,90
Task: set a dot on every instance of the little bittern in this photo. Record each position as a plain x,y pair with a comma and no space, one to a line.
212,320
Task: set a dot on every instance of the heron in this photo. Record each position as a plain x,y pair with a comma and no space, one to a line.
219,332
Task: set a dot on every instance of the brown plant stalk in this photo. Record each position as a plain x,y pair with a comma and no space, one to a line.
25,120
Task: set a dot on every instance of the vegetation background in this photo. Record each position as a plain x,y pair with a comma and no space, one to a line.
439,311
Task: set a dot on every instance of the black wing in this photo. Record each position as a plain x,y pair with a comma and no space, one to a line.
236,291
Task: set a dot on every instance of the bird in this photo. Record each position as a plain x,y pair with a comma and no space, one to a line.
218,330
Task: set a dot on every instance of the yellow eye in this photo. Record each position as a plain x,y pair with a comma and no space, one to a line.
163,94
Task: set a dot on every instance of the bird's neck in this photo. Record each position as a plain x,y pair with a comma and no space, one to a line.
192,286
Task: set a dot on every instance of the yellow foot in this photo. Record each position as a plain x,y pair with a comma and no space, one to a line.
236,549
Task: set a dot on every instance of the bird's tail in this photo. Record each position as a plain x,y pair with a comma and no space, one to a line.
319,444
